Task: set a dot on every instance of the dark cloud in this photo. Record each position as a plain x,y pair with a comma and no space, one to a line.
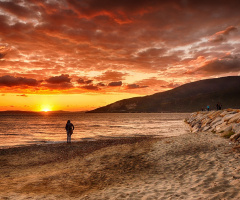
64,78
87,84
125,11
134,86
3,50
16,9
2,55
229,30
111,76
152,52
58,86
114,84
90,87
116,10
22,95
220,66
149,86
101,84
62,82
222,35
171,85
10,81
88,81
152,82
82,81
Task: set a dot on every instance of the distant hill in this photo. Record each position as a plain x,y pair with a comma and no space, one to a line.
19,112
186,98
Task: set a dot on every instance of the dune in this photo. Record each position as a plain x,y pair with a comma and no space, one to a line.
190,166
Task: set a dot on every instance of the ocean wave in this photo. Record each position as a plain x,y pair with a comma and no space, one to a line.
8,134
112,126
96,125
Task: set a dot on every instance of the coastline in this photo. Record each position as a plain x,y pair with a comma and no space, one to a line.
189,166
50,128
225,123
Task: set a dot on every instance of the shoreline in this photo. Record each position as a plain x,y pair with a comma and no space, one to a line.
47,130
189,166
121,140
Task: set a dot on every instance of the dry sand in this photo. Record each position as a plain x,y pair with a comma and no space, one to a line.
190,166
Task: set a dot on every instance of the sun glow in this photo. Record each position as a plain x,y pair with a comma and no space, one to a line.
46,108
65,102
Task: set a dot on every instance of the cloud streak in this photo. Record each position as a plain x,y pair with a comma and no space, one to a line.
11,81
64,78
220,66
221,36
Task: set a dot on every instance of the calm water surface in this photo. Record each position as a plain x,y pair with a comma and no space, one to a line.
18,129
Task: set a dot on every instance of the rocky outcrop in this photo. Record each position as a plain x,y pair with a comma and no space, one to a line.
223,122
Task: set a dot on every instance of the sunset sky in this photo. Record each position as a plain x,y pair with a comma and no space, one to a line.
81,54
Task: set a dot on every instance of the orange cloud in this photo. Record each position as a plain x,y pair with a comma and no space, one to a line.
111,76
222,35
89,45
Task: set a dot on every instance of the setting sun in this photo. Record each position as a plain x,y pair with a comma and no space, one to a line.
46,108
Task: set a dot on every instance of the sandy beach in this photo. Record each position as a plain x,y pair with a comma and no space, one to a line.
190,166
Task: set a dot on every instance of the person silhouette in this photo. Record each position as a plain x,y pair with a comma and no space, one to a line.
69,128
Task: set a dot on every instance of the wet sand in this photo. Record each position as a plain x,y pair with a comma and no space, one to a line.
190,166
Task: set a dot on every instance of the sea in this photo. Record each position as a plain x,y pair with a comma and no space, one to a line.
28,128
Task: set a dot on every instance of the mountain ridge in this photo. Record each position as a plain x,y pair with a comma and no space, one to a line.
189,97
